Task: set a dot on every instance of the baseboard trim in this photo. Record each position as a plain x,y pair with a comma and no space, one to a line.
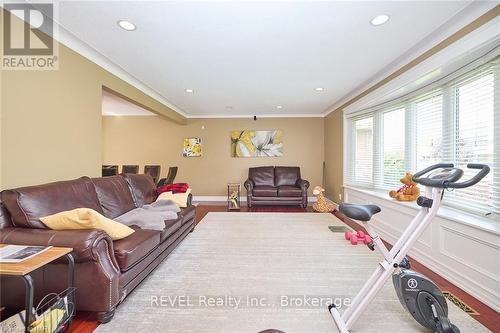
221,198
336,205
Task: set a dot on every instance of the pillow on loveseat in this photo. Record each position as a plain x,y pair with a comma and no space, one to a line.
86,218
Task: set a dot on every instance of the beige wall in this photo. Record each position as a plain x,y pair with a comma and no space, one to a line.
153,140
1,159
51,120
51,123
334,155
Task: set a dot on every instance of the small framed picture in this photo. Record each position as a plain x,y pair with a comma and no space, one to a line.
192,147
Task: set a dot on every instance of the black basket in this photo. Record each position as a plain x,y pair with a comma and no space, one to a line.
54,312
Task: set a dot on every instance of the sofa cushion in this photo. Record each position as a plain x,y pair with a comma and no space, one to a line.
27,204
262,176
286,176
142,187
5,220
114,195
130,250
187,214
171,226
265,191
289,191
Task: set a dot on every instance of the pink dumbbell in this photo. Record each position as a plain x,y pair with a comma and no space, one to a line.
358,236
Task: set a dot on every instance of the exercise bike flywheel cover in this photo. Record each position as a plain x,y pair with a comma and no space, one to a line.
424,302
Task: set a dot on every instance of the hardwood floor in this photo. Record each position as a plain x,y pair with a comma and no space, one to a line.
85,322
204,209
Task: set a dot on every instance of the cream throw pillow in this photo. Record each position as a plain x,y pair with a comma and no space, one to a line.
86,218
179,198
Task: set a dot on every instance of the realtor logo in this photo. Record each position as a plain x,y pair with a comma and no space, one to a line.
27,37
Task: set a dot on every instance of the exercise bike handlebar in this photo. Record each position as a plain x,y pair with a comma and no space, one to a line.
484,170
444,183
416,177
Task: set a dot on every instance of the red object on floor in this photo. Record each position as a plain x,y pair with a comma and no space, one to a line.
358,237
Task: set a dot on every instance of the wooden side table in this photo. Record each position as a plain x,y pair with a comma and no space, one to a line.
23,270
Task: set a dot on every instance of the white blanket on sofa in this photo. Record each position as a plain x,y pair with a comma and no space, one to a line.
151,216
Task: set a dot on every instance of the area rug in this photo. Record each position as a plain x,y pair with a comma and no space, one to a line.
249,272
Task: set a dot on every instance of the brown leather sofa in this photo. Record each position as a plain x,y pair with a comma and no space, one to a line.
106,271
276,186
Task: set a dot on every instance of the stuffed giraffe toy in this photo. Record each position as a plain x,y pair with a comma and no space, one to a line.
321,205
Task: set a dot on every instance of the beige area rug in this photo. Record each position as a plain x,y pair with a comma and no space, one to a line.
247,272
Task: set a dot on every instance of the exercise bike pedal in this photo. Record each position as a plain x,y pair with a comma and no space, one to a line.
445,326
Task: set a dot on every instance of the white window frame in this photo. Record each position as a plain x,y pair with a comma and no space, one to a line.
446,87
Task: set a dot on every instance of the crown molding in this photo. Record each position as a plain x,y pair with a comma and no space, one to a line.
464,55
267,115
70,40
67,38
468,15
464,17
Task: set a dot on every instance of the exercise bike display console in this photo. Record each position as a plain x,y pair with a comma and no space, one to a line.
417,293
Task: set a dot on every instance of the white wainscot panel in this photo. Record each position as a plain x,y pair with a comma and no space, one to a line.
452,245
465,255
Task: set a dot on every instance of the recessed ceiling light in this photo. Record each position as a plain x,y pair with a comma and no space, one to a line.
279,106
380,19
126,25
189,91
319,89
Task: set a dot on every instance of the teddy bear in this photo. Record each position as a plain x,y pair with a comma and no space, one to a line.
408,192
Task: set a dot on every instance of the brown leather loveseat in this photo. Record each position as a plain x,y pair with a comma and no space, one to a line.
276,186
106,271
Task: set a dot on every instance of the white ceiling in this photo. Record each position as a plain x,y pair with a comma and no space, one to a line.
245,58
115,106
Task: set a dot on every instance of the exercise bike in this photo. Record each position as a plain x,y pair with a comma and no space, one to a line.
417,293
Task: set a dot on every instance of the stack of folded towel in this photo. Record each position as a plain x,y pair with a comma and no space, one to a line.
178,193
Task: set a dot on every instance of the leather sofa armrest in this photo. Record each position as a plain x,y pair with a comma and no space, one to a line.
303,184
249,185
97,272
88,245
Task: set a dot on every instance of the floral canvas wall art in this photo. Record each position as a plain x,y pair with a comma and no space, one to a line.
192,147
257,143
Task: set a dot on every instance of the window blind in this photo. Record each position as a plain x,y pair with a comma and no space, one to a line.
361,167
458,122
473,139
429,132
393,147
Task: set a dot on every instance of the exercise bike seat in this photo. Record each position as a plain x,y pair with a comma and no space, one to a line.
359,212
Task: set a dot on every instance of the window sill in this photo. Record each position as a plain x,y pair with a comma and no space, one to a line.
489,224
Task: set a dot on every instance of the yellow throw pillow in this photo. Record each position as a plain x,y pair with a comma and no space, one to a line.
179,198
86,218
